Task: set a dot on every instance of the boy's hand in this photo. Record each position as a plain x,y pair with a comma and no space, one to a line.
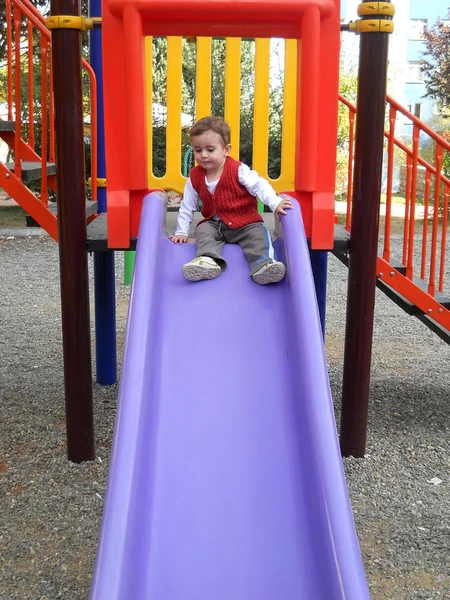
280,208
178,239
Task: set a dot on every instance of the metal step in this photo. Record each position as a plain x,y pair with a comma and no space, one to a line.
97,236
423,285
441,298
7,125
410,308
91,208
31,171
341,240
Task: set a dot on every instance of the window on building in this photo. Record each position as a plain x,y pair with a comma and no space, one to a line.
415,109
445,23
416,27
415,72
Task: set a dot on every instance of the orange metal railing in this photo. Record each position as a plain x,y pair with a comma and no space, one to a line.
429,264
27,33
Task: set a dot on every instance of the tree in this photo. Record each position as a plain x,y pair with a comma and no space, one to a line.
3,20
44,7
436,61
348,87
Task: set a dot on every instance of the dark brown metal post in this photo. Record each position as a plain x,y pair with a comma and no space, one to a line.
71,203
364,240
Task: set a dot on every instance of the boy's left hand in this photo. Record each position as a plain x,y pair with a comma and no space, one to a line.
280,209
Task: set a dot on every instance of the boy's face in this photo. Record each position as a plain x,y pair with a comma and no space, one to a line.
210,151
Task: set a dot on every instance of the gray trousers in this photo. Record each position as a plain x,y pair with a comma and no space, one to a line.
254,239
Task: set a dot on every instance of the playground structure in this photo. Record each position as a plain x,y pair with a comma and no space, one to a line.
421,290
315,60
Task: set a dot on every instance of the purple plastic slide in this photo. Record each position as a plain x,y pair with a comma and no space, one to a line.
226,480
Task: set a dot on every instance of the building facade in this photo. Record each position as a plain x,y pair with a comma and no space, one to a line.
406,47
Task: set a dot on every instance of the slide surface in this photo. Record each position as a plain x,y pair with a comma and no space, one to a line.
226,481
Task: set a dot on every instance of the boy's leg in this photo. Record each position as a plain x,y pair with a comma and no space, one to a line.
210,241
254,239
208,262
256,244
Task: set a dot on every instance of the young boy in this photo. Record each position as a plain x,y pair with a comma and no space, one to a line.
228,190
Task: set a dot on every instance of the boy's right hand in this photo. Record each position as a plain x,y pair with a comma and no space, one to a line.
178,239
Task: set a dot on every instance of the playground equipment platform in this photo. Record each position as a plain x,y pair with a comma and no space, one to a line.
97,237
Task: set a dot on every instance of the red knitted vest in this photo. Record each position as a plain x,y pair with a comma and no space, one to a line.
231,202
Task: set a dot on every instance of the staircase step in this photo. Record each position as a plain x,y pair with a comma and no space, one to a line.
33,170
341,240
423,285
97,236
398,266
402,302
7,125
91,208
441,298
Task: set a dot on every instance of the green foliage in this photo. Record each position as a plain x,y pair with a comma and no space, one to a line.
40,4
348,87
159,89
446,158
436,61
37,105
44,7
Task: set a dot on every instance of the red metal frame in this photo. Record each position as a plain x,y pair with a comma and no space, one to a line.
44,56
432,253
126,22
16,11
30,85
13,185
17,19
9,46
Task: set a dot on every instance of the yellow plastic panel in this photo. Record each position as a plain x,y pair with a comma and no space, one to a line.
261,108
203,78
175,180
233,91
148,103
286,179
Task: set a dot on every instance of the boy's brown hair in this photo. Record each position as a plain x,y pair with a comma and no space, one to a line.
216,124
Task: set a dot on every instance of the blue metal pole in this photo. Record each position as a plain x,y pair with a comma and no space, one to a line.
104,278
319,264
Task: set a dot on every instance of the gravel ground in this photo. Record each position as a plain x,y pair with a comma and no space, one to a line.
51,509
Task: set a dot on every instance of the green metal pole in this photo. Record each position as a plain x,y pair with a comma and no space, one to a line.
129,258
186,157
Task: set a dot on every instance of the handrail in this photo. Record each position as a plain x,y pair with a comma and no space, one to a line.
17,99
20,9
432,254
400,144
44,189
416,121
9,58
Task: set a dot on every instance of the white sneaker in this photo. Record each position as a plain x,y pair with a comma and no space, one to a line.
202,267
270,273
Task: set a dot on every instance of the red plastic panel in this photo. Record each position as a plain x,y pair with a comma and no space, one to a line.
314,22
